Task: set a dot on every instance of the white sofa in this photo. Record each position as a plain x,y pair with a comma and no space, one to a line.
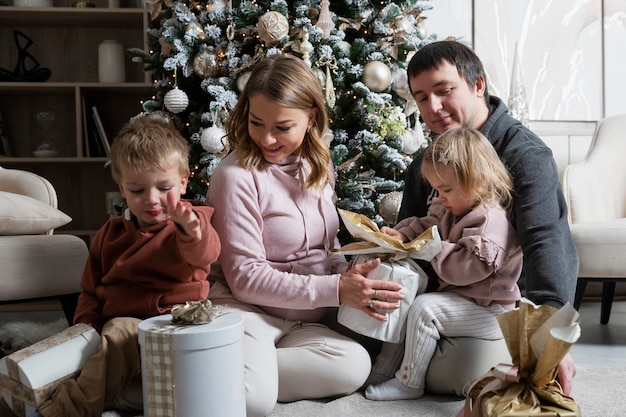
35,263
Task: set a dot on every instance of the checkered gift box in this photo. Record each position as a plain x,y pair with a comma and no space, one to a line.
192,370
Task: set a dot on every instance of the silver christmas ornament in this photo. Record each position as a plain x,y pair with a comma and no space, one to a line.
518,104
176,100
377,76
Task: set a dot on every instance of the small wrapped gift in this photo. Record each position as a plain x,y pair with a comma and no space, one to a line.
397,265
29,376
537,337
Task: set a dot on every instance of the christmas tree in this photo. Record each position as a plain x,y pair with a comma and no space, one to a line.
201,53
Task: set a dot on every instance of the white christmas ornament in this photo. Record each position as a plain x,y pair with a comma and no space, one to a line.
376,76
325,21
321,75
272,27
242,80
400,85
405,24
176,100
344,47
413,140
306,48
212,139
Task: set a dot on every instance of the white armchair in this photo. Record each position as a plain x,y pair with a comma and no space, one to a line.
595,190
35,262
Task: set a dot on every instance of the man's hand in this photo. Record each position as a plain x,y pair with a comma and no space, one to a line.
566,373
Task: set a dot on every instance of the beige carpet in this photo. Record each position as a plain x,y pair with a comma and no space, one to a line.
600,392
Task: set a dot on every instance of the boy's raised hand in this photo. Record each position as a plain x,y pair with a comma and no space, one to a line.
183,216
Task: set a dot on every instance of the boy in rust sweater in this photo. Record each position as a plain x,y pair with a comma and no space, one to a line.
155,255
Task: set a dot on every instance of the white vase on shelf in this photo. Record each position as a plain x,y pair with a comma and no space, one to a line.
111,68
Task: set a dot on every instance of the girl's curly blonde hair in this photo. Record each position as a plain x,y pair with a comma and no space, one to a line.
476,165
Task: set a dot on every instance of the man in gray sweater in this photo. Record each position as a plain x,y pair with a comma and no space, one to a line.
448,82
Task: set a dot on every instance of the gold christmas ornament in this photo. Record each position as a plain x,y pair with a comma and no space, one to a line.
390,206
329,88
272,27
196,29
325,21
377,76
206,64
176,100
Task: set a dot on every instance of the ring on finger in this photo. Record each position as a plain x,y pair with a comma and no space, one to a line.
375,292
371,304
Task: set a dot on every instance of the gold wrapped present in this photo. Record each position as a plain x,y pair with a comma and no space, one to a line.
537,337
424,247
397,265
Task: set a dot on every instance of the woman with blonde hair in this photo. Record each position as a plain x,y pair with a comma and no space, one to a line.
275,215
476,271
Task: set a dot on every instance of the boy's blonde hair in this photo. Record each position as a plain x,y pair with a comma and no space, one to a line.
149,142
477,167
287,81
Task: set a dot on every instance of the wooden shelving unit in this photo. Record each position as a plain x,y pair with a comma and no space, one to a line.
65,40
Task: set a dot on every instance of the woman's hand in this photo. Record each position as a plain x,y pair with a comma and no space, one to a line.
356,291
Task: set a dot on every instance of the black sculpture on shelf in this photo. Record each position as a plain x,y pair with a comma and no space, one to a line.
21,73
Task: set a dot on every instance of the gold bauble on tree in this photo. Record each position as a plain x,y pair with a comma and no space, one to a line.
389,207
206,64
376,76
272,27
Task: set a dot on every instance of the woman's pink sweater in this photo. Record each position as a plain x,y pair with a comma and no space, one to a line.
276,238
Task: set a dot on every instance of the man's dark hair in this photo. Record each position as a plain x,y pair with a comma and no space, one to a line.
433,55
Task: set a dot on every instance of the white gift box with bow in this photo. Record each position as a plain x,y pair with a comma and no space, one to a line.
398,265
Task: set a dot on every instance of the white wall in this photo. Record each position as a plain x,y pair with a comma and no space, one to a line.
571,54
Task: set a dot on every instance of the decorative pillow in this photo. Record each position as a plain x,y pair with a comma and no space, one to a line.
23,215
